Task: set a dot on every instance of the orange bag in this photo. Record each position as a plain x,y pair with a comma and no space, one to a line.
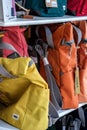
62,58
82,62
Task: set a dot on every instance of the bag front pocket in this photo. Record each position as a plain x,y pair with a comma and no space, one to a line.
83,85
70,99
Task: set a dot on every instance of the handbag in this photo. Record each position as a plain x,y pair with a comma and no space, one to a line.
82,62
76,7
14,36
24,94
61,55
46,8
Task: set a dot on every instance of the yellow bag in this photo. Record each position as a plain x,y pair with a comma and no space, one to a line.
25,94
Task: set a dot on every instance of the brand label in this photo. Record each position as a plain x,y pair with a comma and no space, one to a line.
51,3
15,116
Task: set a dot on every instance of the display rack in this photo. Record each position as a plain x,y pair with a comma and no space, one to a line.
65,112
40,21
6,126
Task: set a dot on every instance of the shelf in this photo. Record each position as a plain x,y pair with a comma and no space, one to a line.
41,20
6,126
65,112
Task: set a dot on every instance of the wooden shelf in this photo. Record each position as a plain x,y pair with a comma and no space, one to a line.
41,20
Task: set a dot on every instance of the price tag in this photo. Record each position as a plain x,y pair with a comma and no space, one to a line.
51,3
77,83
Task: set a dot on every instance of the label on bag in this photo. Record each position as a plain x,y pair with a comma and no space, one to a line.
51,3
15,116
77,82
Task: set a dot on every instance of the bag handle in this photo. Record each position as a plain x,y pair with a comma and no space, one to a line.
79,34
48,33
56,98
4,45
5,73
80,110
50,38
53,114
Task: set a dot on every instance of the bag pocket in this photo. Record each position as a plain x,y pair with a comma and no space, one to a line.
70,99
60,10
83,85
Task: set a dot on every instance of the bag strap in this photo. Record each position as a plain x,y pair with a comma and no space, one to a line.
53,114
80,110
48,33
73,123
50,78
5,73
56,98
50,38
4,45
79,34
1,52
81,116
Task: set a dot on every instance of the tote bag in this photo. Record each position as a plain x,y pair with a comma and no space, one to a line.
24,94
46,8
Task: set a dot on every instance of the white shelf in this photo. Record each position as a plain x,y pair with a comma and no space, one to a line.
65,112
6,126
41,20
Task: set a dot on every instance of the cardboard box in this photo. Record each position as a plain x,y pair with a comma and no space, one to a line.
7,10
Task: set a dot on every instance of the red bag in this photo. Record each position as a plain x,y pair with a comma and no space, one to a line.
15,37
77,7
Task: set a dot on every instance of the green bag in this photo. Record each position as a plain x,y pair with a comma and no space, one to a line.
47,8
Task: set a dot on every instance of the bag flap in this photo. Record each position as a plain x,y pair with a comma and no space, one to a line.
17,66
